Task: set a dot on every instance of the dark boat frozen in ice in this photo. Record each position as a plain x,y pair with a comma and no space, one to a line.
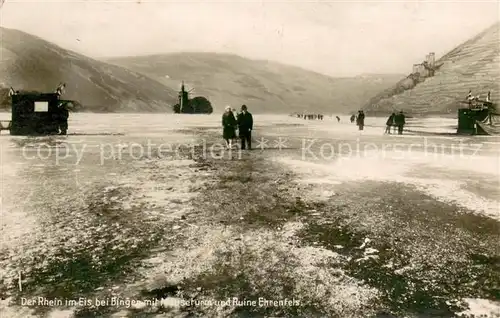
34,113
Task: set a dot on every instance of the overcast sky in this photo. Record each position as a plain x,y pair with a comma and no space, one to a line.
336,38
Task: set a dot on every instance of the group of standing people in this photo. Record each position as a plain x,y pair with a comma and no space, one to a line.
310,116
243,122
396,120
478,97
477,100
359,118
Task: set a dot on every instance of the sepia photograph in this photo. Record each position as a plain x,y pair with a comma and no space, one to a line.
249,158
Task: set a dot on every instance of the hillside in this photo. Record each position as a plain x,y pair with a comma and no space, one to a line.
31,63
473,65
264,86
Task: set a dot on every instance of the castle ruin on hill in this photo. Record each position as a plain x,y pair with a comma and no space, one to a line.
427,67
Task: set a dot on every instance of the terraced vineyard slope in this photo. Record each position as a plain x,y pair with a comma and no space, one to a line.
473,65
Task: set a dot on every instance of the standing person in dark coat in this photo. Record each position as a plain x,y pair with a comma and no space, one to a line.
228,126
245,126
353,118
360,121
389,123
399,121
63,119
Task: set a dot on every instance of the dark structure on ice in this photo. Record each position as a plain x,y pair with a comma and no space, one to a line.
480,118
34,113
197,105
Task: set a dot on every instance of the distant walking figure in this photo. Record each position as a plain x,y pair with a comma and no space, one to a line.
399,121
360,121
389,123
353,118
338,118
245,126
228,126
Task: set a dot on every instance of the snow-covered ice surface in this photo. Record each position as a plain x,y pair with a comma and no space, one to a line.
481,308
66,200
458,169
448,186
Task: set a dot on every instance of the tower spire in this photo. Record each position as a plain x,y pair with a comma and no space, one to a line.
182,97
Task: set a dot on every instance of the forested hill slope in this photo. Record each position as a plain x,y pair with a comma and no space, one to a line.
30,63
